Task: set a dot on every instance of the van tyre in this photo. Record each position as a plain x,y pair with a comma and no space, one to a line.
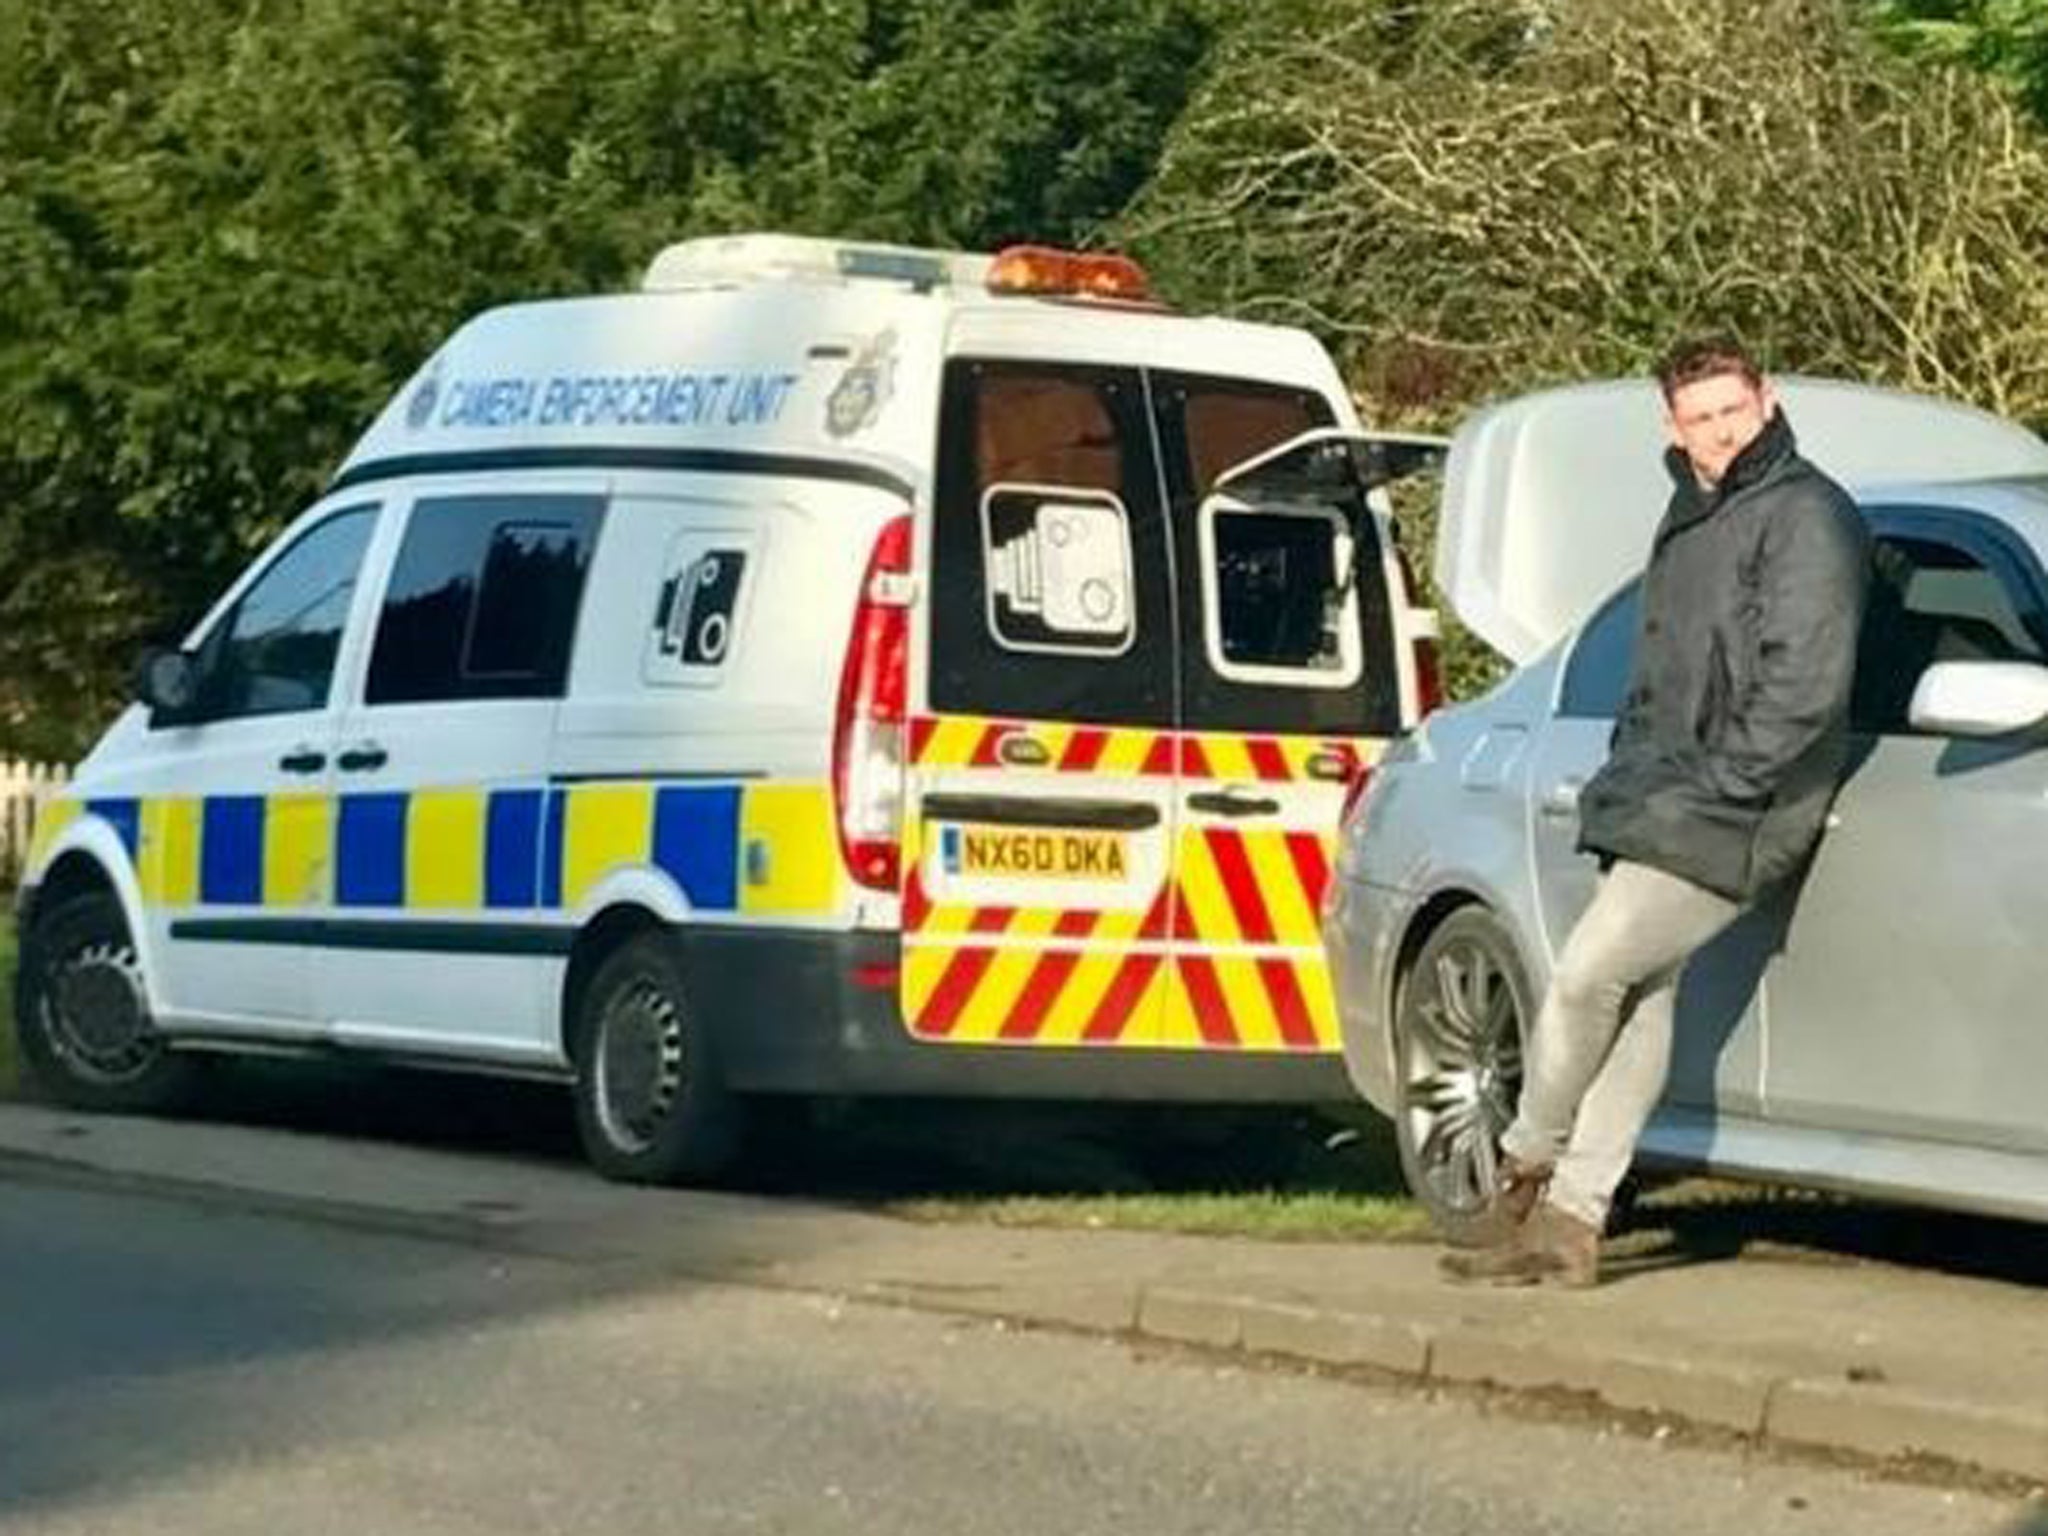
82,1014
1464,1015
650,1105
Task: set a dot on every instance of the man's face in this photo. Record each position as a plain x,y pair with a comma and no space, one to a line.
1714,419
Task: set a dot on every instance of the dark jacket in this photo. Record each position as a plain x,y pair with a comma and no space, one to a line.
1734,732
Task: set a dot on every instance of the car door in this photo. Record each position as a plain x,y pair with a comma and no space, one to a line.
439,935
1290,679
232,807
1717,1051
1907,999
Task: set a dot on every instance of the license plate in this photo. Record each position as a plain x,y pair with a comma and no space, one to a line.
1033,853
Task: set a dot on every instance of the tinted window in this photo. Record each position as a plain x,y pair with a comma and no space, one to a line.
1596,679
1049,559
483,599
273,653
1932,600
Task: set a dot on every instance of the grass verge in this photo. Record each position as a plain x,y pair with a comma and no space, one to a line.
1277,1174
1274,1214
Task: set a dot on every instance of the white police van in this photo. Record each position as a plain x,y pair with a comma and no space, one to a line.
830,669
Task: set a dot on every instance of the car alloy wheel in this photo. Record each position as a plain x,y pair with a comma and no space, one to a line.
1459,1066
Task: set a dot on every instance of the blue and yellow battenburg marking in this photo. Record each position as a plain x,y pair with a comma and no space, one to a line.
756,848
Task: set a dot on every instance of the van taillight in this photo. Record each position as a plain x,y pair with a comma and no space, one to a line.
867,736
1429,679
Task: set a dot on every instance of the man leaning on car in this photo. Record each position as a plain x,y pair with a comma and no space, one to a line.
1728,750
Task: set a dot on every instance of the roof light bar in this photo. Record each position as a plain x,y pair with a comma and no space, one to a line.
1047,272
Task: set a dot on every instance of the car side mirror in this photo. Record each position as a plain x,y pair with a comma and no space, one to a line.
168,682
1980,698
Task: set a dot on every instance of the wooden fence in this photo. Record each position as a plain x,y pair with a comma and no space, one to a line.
23,787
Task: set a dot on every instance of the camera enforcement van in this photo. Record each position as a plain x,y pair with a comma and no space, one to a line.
830,669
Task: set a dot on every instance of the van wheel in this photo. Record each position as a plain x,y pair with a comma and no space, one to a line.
82,1014
650,1107
1458,1038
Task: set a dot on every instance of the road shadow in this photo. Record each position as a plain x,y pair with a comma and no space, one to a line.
856,1152
878,1153
1698,1221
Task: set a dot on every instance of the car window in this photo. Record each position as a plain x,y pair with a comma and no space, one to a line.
483,599
1596,678
273,652
1933,600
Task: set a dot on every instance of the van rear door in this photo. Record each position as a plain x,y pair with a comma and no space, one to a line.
1291,677
1040,817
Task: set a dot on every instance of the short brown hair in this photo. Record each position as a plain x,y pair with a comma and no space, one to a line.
1706,358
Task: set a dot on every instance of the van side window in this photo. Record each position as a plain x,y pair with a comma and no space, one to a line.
1933,600
1049,561
483,599
1275,637
273,652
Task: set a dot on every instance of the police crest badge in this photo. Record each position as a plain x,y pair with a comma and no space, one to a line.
870,379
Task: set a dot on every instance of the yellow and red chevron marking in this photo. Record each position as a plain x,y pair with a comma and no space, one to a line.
969,741
1249,971
1035,989
1244,971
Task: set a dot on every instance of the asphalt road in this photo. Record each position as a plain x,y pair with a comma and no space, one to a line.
168,1367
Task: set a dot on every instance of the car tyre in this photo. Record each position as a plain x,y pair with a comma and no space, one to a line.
82,1014
651,1107
1459,1031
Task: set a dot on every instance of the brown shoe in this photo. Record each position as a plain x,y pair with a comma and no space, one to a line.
1551,1245
1517,1190
1521,1186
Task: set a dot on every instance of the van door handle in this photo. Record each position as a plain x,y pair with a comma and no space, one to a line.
1022,751
1232,802
1330,767
1561,801
363,757
303,760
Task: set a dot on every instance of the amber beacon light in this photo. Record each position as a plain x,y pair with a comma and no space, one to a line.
1045,271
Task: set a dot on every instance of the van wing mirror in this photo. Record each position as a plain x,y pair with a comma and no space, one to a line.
1980,698
168,682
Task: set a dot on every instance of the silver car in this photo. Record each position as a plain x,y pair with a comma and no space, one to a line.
1882,1024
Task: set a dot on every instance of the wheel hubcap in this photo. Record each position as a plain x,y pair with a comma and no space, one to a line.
96,1014
1463,1073
639,1065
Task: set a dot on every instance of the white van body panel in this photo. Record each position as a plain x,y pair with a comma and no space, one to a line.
773,371
1550,500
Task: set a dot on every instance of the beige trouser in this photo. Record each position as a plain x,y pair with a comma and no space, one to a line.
1601,1048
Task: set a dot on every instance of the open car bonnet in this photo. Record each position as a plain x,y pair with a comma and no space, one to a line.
1550,500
